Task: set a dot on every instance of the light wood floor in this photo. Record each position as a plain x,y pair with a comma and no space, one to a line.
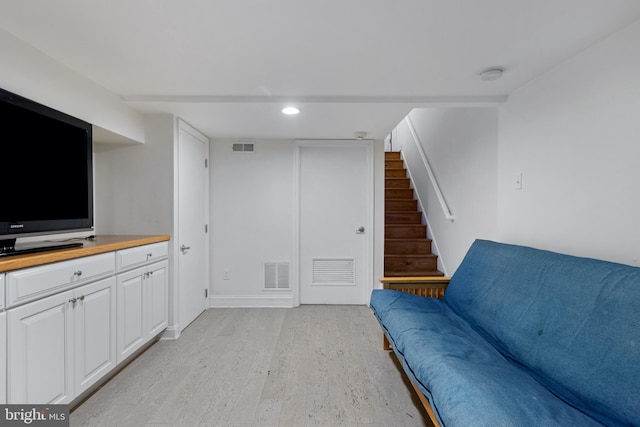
306,366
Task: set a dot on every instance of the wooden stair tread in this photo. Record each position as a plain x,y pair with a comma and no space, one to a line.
414,279
411,256
411,217
401,205
431,273
408,239
397,183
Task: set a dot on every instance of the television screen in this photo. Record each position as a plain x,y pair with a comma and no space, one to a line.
46,169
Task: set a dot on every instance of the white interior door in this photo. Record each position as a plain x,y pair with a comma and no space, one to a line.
193,190
335,214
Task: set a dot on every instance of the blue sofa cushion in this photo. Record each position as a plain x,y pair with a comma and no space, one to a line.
571,323
467,381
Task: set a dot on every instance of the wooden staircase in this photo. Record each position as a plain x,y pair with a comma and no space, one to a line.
407,250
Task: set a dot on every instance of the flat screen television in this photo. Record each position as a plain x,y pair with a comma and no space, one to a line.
46,169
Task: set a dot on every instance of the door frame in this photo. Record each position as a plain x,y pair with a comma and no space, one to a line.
175,328
333,143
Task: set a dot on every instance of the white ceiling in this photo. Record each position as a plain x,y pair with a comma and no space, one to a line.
228,67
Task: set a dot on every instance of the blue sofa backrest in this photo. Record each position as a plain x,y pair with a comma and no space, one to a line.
573,323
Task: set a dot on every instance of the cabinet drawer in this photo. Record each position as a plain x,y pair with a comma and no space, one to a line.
37,282
140,255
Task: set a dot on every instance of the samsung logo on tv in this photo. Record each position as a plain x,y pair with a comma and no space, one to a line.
12,226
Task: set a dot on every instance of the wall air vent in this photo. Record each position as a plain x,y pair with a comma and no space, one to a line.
242,147
276,275
333,271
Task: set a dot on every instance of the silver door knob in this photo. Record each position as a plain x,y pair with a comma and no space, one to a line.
360,230
184,248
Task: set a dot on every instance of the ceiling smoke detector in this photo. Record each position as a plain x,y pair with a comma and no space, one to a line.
360,135
491,74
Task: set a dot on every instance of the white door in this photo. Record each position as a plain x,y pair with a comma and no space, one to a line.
335,188
193,189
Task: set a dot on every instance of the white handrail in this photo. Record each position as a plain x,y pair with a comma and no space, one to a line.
436,187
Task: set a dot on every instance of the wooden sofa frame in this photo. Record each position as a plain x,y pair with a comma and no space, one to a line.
428,287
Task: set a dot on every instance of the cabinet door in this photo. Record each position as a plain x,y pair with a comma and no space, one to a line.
2,289
131,312
156,282
94,318
39,351
3,358
3,346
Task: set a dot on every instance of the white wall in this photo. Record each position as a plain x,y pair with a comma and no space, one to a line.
461,147
574,135
135,191
29,73
251,220
134,183
252,208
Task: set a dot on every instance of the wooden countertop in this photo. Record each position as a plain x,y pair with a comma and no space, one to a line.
97,245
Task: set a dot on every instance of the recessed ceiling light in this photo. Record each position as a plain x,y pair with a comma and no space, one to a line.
290,111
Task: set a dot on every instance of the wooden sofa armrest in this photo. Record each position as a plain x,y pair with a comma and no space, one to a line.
431,286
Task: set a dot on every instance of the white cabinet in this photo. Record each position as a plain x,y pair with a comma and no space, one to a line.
94,326
60,345
127,259
1,291
32,283
39,351
142,306
131,313
3,345
156,283
3,356
65,325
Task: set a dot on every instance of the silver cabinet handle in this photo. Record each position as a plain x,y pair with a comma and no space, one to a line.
360,230
77,273
73,301
184,248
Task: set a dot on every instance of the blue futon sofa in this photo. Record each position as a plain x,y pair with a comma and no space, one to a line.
522,337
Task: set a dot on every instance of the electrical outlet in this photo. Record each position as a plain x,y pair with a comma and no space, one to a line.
225,274
518,182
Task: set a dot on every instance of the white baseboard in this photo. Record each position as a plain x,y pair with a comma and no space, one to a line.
237,301
171,333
